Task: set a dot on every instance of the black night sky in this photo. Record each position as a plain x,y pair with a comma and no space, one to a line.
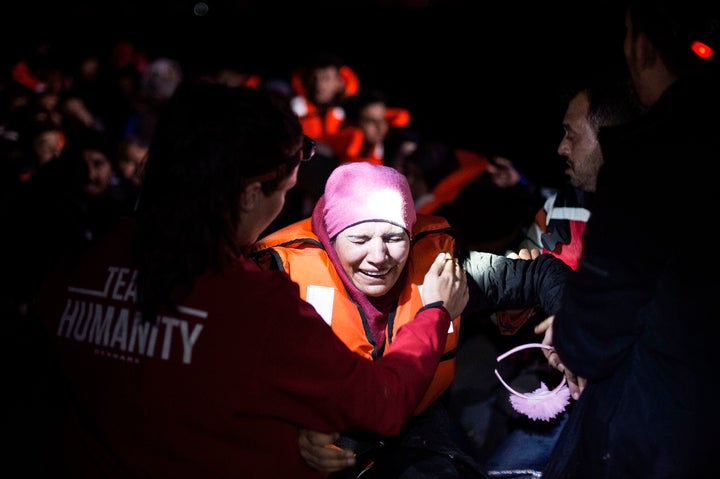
478,74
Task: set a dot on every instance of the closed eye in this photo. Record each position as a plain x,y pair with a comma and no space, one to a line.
394,238
358,239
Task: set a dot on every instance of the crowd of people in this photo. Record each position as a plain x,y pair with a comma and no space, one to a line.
211,273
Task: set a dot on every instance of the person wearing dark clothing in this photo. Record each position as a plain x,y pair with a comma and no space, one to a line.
558,230
67,203
453,182
633,335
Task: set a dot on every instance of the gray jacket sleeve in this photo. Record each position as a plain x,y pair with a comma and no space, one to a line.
504,283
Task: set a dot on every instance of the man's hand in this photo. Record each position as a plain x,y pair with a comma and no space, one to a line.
503,173
525,253
576,384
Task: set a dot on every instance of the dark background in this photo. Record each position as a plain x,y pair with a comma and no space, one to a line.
482,75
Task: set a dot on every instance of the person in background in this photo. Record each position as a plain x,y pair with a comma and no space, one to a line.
66,204
363,135
358,259
632,333
559,225
321,86
605,100
157,83
176,355
449,181
44,141
132,152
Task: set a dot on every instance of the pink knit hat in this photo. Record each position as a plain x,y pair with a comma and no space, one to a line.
360,191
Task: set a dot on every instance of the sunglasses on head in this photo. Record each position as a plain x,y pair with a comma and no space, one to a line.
305,153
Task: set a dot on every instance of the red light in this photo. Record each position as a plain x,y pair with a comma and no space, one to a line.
702,50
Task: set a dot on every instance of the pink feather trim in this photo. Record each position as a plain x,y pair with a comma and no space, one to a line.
542,404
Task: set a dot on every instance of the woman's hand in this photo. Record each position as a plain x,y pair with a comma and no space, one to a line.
319,452
446,281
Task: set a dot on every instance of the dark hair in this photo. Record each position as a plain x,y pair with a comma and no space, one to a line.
612,101
322,59
207,143
85,138
611,97
355,105
317,60
672,26
435,159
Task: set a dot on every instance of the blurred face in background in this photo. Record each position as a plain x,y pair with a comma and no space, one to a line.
373,123
99,171
47,145
132,160
325,84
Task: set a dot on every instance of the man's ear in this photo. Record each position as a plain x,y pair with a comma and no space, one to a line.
250,196
646,55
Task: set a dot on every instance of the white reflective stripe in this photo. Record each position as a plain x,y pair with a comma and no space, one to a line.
569,213
549,203
451,329
338,113
322,298
299,105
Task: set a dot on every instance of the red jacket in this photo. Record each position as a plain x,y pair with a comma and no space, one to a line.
220,389
560,224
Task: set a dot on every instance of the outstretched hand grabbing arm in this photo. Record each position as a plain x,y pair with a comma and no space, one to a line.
576,384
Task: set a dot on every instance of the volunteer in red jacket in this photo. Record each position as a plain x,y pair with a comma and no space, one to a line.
181,357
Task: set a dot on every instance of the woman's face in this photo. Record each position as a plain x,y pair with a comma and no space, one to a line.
373,255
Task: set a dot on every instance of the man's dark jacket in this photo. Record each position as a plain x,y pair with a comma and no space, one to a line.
638,316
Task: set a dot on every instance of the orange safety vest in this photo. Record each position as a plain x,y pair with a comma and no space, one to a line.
348,141
471,166
297,251
314,125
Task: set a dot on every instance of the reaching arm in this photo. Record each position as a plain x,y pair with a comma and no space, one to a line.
500,282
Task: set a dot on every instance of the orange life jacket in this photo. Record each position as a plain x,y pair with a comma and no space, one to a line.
349,140
347,74
347,144
22,74
471,166
314,125
297,251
